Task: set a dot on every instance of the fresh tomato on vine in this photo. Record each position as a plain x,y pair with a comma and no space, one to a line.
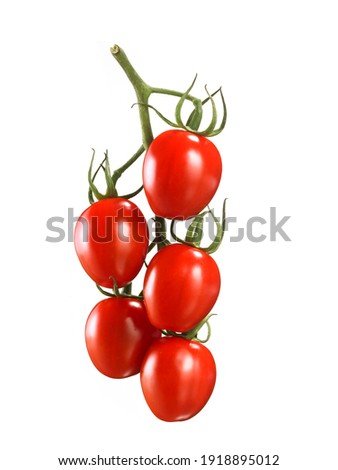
177,378
181,173
181,286
118,334
111,241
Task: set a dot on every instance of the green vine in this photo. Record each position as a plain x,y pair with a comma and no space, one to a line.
144,91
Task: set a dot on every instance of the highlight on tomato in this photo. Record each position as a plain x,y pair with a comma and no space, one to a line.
181,173
118,334
177,378
111,241
181,286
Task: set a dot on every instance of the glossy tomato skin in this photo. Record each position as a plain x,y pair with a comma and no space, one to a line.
181,286
118,334
181,173
177,378
111,239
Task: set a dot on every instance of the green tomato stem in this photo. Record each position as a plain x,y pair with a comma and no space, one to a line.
142,90
164,91
160,232
118,173
126,292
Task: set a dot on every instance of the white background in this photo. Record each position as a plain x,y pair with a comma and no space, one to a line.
275,336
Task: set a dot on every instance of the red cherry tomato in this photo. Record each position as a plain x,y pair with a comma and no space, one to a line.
111,239
181,286
177,378
181,173
118,334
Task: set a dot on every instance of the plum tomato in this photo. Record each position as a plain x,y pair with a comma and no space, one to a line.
111,241
177,378
181,286
181,173
118,334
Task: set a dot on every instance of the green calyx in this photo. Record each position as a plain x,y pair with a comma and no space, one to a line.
111,178
124,292
195,232
195,118
192,335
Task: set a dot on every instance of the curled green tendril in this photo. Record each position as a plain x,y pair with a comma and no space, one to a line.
160,115
104,292
195,118
224,118
91,179
111,178
221,226
180,106
213,121
133,194
194,233
111,190
195,230
192,335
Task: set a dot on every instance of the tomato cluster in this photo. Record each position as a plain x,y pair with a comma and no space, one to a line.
154,333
